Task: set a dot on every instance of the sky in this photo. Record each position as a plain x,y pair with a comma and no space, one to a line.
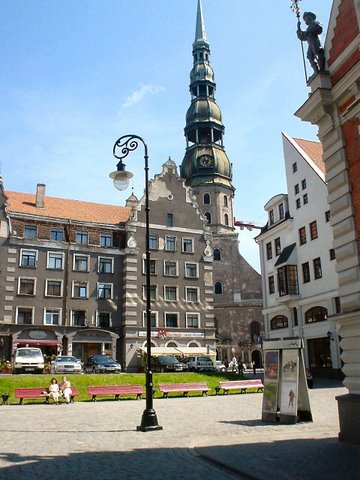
77,75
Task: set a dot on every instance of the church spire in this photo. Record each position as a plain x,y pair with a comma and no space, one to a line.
200,33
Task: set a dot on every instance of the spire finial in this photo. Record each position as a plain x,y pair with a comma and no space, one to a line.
200,33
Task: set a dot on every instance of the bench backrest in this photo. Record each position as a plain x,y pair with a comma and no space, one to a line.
179,386
115,389
241,383
34,392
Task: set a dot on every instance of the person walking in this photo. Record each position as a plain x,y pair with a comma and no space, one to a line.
254,367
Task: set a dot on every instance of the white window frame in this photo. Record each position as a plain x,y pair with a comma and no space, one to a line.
183,244
27,294
106,284
197,294
176,290
75,255
60,254
166,240
156,292
156,313
171,313
47,280
72,317
20,307
21,257
197,314
106,258
197,269
176,265
144,266
74,282
59,310
97,318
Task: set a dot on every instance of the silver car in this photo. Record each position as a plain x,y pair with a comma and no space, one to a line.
66,364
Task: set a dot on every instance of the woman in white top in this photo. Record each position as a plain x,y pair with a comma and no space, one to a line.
54,391
66,389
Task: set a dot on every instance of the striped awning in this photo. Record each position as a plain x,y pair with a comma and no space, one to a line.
177,351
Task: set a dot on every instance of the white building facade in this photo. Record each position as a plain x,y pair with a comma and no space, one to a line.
298,265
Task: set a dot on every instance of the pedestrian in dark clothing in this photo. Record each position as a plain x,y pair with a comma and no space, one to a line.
254,367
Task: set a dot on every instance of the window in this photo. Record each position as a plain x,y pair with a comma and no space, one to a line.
280,321
305,199
296,189
80,290
337,305
170,220
316,314
82,238
271,217
171,320
226,219
313,230
152,267
55,260
327,216
208,216
206,199
271,284
81,263
188,245
192,320
106,265
218,288
217,254
170,294
170,269
57,234
53,288
277,246
153,292
170,244
28,258
295,316
26,286
78,318
30,231
225,201
298,203
105,290
192,294
281,211
306,272
302,235
317,268
191,270
287,280
268,250
153,242
105,240
153,316
52,316
24,315
303,184
103,320
294,167
332,254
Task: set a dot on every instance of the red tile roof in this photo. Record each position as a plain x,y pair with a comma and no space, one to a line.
63,208
314,150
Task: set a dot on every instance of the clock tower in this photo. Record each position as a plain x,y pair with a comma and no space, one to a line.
206,167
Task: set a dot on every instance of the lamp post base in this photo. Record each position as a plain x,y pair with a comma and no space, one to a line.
149,422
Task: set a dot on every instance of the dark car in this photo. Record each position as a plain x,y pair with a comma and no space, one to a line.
167,364
102,364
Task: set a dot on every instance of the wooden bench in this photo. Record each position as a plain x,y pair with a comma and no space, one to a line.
242,385
183,388
36,392
116,390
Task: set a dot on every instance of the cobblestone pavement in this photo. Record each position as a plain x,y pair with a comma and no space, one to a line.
202,438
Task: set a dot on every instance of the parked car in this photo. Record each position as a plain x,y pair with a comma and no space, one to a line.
167,364
66,364
102,364
200,363
309,379
219,366
28,360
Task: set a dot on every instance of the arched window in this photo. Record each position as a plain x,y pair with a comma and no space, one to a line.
171,344
225,201
218,288
280,321
226,219
316,314
217,254
208,217
206,199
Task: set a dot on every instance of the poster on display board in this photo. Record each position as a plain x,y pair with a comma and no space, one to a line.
271,380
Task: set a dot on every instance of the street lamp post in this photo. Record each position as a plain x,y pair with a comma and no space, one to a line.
124,145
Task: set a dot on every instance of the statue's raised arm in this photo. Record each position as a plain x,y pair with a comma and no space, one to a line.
311,35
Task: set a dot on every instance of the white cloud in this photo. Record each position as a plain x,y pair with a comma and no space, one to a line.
139,95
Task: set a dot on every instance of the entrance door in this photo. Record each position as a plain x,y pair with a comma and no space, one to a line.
319,353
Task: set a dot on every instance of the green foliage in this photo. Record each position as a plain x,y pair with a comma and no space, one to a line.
8,383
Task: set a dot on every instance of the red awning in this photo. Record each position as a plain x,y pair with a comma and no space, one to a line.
52,343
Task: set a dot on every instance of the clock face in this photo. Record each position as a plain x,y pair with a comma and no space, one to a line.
206,161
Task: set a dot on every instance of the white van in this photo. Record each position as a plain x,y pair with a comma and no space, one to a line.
28,360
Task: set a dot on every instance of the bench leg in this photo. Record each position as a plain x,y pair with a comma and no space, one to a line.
94,398
138,396
204,394
217,390
165,395
21,401
117,397
185,394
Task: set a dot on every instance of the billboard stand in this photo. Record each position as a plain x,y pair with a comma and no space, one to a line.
286,398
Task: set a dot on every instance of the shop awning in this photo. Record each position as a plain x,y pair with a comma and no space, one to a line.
177,351
188,351
161,351
48,343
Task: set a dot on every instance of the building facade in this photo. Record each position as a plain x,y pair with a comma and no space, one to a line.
333,105
298,262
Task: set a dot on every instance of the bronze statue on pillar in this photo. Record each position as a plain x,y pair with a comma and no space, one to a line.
311,35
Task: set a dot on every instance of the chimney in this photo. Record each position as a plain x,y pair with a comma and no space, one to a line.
40,195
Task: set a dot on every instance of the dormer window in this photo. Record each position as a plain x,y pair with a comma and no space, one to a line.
271,217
